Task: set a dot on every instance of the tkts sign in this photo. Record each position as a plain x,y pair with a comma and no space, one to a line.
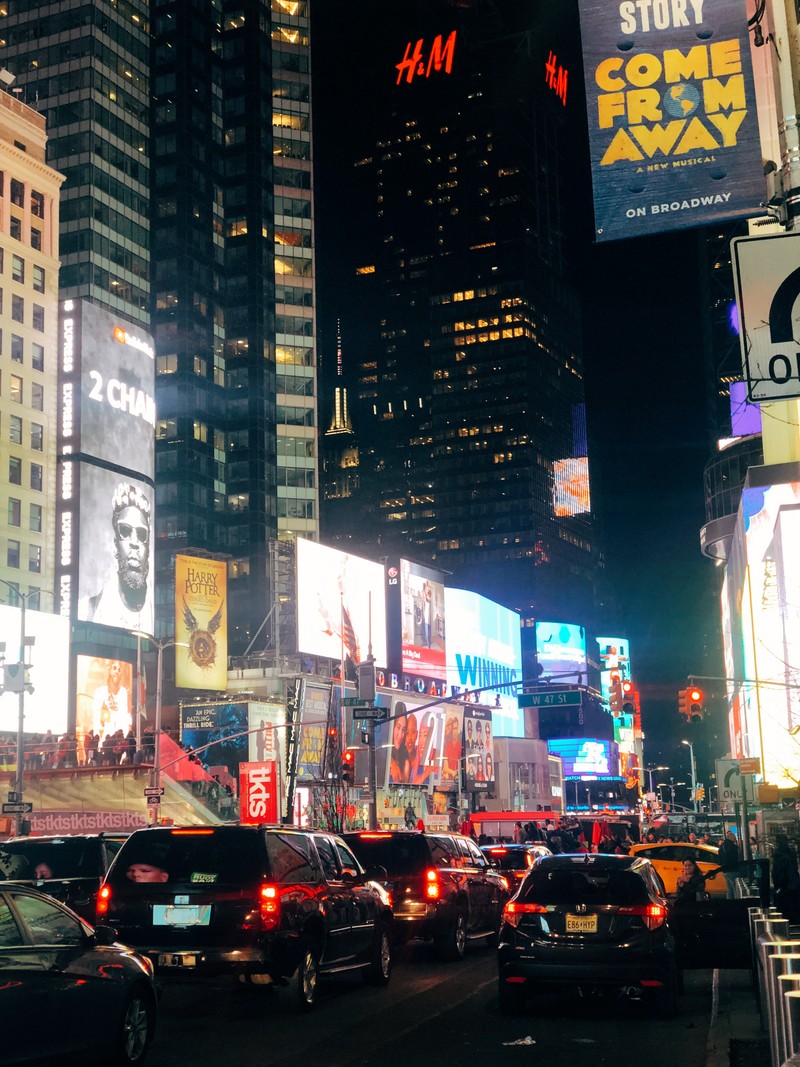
419,62
258,798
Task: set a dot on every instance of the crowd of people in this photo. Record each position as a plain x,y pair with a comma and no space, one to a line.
67,751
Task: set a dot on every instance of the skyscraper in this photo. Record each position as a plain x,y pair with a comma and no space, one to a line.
469,403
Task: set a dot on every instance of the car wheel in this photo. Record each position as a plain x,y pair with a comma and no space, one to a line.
453,944
380,968
135,1028
512,998
303,983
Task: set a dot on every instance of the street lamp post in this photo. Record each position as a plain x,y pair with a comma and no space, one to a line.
694,774
650,772
155,774
17,684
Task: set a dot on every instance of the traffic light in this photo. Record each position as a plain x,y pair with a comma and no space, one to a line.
695,700
615,696
683,703
348,763
628,698
700,793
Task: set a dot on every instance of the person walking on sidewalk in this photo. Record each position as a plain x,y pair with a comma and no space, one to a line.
730,859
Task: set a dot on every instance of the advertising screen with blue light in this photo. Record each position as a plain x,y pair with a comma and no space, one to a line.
586,757
483,650
561,652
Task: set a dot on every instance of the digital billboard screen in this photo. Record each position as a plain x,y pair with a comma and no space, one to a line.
341,604
116,565
571,486
46,705
483,652
561,652
420,745
586,757
105,698
221,727
423,621
478,748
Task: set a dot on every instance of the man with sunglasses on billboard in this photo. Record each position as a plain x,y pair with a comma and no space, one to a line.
126,597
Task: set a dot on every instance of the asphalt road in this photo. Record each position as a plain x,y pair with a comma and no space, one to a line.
431,1012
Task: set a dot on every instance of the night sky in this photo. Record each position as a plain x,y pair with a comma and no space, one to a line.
645,392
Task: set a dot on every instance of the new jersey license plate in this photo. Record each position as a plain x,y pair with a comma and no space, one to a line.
581,924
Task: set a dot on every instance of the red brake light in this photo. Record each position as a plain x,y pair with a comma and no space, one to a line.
432,887
270,903
515,909
654,915
197,832
103,898
498,851
375,835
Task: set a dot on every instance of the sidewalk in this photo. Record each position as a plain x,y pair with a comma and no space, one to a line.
735,1037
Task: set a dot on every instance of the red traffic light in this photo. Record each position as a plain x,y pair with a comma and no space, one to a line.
348,764
695,696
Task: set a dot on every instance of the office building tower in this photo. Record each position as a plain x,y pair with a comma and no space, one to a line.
29,199
233,306
468,403
84,68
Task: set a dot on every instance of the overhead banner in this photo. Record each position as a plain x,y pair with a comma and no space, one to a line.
201,623
673,130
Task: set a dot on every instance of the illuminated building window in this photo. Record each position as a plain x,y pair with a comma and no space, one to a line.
238,568
236,227
16,389
166,428
200,366
18,269
167,364
12,554
38,279
199,431
14,512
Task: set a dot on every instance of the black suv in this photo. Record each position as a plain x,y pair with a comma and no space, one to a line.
69,868
592,922
442,886
267,904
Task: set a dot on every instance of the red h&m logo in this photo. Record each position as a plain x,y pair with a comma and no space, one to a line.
414,65
555,77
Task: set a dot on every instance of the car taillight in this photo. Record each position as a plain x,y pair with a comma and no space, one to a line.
103,899
270,903
515,909
654,915
433,889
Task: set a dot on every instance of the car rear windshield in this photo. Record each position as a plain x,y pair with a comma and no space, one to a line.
516,859
399,855
218,858
67,858
583,885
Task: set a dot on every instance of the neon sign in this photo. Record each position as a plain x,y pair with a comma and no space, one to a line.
555,77
414,65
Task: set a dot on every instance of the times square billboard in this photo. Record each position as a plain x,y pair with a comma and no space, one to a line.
45,705
483,653
415,628
341,605
760,611
561,652
106,442
671,106
421,743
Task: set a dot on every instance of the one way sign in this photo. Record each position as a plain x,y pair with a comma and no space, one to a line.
731,784
767,279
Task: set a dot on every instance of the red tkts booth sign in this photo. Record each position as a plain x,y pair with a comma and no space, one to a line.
258,792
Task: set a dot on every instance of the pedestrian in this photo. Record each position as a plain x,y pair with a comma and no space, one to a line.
518,836
730,859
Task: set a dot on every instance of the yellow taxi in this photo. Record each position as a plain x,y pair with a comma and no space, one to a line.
667,858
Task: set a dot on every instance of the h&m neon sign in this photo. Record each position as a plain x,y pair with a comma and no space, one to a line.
415,65
555,77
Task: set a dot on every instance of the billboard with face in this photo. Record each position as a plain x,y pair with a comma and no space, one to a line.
115,563
478,747
420,745
201,623
105,700
46,706
483,652
341,605
422,627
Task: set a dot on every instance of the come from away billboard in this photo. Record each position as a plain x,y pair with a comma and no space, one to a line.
671,107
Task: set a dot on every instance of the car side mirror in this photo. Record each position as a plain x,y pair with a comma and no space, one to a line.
105,935
350,874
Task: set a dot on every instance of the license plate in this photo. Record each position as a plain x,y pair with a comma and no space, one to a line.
177,959
581,924
181,914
